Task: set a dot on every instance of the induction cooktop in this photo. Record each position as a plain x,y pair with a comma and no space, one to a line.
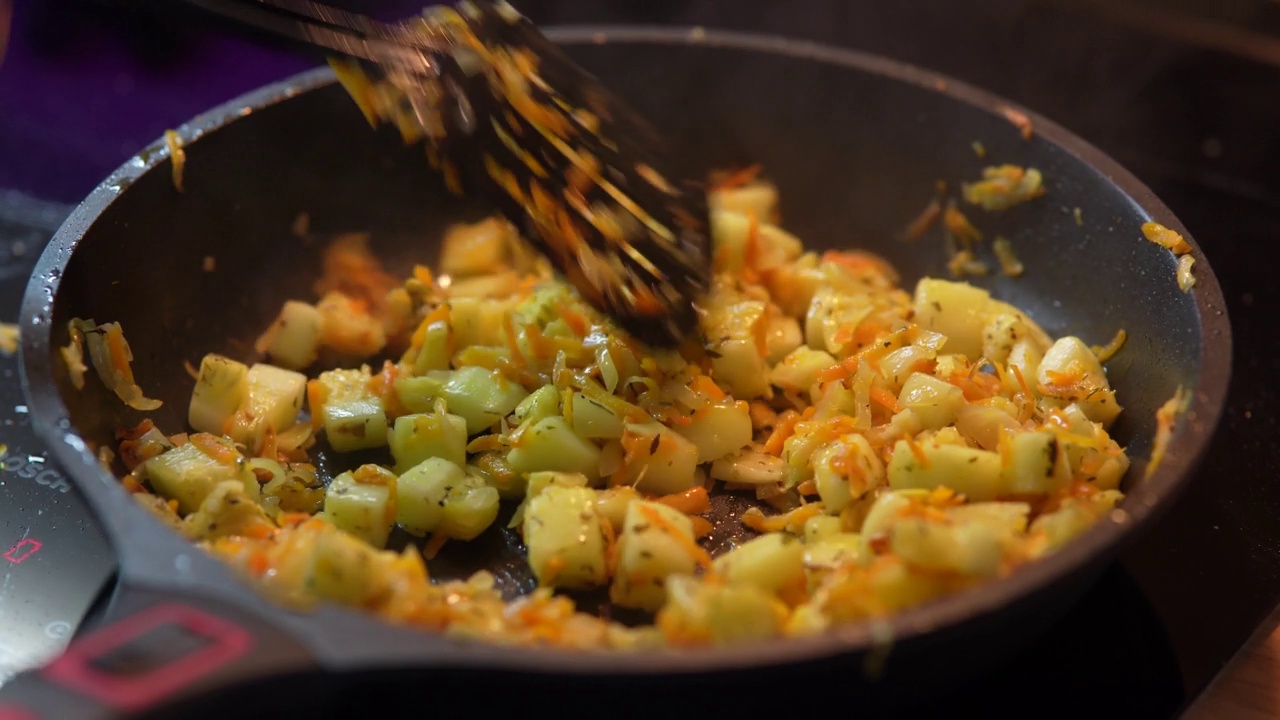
1186,98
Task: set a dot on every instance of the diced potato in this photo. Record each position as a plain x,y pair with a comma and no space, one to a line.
820,526
482,397
844,470
435,350
414,438
1112,472
227,511
1026,359
955,309
830,552
612,503
750,467
717,430
884,511
793,285
222,387
347,327
592,419
476,248
972,549
1032,457
975,473
421,492
799,370
935,402
830,311
1086,383
540,481
773,562
655,543
362,509
982,424
1007,518
293,340
782,336
541,403
758,198
999,336
739,365
563,534
353,417
667,462
552,445
700,611
343,569
187,474
274,400
1035,335
469,509
1071,520
477,320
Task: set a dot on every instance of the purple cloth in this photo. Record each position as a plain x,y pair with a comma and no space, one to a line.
85,85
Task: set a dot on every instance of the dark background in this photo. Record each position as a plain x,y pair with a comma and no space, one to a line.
1186,94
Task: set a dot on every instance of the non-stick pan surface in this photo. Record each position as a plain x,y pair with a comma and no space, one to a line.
857,145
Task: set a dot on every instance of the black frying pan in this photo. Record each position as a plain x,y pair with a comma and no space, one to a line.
856,144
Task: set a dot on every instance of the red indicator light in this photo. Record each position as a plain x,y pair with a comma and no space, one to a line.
22,550
221,642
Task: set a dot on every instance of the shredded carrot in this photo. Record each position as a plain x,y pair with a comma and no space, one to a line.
575,320
923,222
843,371
1108,351
132,485
423,274
785,428
790,521
690,502
119,353
918,452
317,395
1017,372
808,487
885,398
509,337
699,554
210,446
259,562
485,443
702,527
434,543
1019,120
705,386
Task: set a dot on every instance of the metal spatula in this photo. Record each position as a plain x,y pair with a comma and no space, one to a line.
506,114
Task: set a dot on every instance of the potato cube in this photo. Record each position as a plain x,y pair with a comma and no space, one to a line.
221,388
414,438
656,542
552,445
362,509
562,531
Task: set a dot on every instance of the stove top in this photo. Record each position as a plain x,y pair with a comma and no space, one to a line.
55,560
1187,102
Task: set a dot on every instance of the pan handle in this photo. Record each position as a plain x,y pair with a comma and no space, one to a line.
154,648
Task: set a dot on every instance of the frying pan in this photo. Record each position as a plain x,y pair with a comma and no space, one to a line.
856,143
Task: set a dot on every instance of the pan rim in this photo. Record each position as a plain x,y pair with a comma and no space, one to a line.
1155,495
